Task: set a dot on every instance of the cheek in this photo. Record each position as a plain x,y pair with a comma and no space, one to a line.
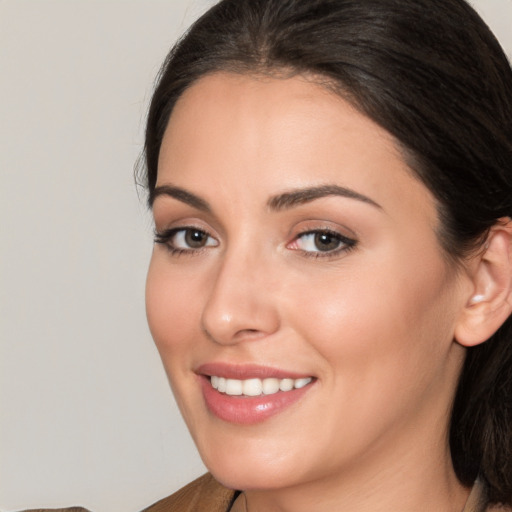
173,310
172,307
381,324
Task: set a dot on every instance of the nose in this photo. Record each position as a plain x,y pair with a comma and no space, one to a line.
241,304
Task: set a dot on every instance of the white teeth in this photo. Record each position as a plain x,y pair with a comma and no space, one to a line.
256,387
221,386
270,386
252,387
286,384
233,387
300,383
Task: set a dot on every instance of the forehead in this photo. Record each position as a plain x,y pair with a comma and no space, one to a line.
301,103
280,133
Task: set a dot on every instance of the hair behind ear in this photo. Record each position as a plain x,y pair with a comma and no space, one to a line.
481,427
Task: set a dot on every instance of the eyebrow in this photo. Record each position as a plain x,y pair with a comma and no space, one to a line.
181,195
300,196
280,202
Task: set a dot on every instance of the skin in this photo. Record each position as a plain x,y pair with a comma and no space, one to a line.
374,324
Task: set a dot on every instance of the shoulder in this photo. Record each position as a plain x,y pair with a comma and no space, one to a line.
70,509
204,494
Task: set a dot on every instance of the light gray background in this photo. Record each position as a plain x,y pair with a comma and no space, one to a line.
86,415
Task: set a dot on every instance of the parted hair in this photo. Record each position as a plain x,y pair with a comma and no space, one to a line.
434,76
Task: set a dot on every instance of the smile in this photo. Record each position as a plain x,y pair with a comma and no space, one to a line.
256,387
251,400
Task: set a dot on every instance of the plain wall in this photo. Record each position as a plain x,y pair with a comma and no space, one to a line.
86,414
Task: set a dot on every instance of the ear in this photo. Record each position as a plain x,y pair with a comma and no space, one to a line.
490,302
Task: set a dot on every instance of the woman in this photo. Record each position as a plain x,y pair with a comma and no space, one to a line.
330,289
331,284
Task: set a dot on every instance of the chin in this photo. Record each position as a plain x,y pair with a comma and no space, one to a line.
252,464
252,477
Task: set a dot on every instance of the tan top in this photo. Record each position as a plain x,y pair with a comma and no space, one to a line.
206,495
202,495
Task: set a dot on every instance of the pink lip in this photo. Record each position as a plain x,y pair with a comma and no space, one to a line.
247,371
243,410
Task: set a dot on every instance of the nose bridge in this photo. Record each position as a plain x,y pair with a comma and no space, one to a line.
240,302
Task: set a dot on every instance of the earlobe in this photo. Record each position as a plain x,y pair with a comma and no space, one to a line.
490,302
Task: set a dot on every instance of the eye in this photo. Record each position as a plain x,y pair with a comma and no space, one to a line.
322,241
187,239
191,239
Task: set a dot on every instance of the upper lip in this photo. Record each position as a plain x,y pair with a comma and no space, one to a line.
247,371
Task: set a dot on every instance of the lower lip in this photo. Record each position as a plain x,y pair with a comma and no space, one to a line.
245,410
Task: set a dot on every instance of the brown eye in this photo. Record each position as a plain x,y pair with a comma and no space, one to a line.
325,241
195,239
187,239
322,242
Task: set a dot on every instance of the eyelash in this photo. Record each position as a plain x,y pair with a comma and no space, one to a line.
165,238
346,244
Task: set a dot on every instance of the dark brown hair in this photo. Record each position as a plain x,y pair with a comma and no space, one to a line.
433,75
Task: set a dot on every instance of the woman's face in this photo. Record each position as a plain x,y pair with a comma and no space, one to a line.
298,250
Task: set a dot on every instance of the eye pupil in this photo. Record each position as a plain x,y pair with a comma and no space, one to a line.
195,238
326,242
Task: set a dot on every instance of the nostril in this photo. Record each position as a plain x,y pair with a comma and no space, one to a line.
248,335
241,335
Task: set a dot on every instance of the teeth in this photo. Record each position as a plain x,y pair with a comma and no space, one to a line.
256,387
300,383
252,387
233,387
270,386
221,386
286,384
